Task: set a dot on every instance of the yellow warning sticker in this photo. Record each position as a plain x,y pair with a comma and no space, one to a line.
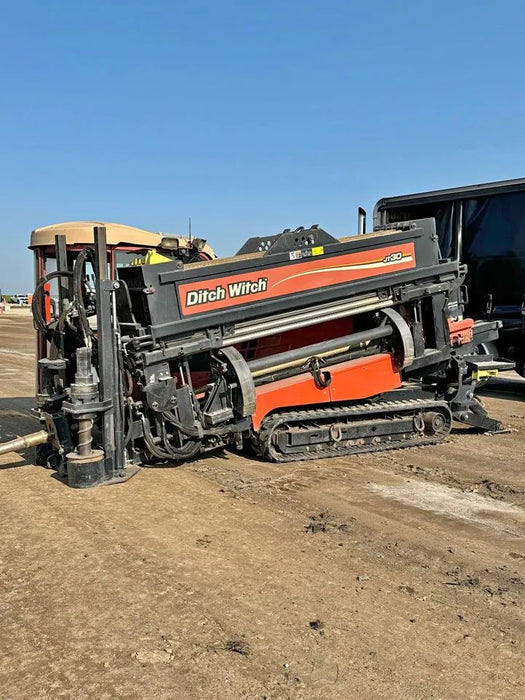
318,251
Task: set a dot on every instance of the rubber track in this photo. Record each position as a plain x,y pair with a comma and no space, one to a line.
375,410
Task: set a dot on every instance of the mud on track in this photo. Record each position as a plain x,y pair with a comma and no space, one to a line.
395,575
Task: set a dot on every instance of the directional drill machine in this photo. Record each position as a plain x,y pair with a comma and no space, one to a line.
301,346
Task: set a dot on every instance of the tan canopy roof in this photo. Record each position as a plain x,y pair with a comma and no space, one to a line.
81,232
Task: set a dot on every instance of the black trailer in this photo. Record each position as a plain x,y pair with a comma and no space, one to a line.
484,227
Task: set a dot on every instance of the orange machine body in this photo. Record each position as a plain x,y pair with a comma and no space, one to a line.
352,380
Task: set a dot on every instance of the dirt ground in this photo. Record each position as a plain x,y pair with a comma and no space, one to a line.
399,575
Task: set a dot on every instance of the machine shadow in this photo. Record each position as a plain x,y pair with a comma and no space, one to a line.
501,387
16,420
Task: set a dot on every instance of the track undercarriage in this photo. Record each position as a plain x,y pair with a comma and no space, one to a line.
316,433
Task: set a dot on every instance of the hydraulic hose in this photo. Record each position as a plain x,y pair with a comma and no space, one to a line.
78,268
39,321
190,449
170,417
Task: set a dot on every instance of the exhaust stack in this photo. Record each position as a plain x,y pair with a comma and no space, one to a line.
361,221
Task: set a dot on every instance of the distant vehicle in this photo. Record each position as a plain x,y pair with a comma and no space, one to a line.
484,227
20,299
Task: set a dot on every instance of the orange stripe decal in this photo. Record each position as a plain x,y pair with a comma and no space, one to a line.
273,282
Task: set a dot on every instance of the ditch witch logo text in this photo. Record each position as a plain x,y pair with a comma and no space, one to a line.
234,290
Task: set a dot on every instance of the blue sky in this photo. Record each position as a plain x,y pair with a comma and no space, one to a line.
247,116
